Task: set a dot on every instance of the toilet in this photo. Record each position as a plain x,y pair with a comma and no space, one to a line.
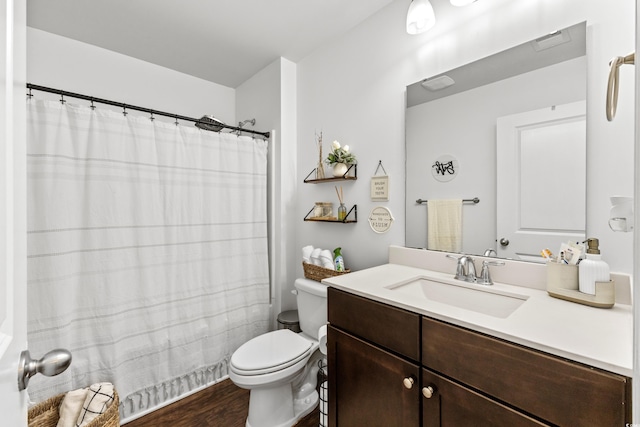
280,367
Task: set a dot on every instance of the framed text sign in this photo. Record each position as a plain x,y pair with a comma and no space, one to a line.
380,188
380,219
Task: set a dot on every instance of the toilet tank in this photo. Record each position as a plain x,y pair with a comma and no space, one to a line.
312,305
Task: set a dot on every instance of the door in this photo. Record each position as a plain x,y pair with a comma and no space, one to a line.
541,185
448,403
13,297
369,386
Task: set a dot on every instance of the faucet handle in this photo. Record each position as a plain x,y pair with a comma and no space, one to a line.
485,276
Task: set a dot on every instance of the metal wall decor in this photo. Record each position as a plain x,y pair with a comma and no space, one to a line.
445,168
380,219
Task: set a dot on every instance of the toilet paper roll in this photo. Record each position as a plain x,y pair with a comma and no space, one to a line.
322,338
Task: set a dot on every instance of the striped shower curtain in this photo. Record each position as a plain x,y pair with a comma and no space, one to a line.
147,251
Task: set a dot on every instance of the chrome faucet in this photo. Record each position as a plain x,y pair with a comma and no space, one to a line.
465,269
490,253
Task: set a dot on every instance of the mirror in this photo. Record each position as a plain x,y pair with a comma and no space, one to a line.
454,121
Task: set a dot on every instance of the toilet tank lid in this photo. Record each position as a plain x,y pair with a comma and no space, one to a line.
311,286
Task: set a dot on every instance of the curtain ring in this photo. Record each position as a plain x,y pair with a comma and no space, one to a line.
124,110
176,122
62,101
152,118
29,95
93,107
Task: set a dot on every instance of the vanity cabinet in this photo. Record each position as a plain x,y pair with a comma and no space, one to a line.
389,366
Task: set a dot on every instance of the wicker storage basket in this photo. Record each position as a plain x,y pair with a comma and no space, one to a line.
45,414
317,273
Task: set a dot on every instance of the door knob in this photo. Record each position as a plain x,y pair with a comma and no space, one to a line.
428,391
51,364
504,242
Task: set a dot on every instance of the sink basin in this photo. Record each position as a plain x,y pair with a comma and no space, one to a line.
468,296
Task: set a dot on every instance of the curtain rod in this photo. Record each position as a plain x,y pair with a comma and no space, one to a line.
92,99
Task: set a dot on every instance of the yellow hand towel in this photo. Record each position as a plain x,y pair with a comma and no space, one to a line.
444,225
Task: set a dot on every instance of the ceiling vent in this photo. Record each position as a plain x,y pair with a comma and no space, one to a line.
437,83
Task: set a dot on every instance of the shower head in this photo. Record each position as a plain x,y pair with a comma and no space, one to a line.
252,121
241,124
210,123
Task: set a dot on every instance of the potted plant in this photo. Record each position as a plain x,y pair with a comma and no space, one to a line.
340,158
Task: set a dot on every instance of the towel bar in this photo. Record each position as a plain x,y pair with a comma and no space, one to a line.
474,200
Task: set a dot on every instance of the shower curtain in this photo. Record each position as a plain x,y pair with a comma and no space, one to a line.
147,251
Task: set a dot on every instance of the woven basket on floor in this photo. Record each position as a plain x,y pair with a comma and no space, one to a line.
317,273
45,414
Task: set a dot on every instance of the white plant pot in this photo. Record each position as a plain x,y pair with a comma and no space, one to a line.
339,169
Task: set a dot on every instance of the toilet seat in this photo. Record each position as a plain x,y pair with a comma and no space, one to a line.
270,352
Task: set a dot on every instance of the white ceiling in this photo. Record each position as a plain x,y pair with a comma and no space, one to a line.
223,41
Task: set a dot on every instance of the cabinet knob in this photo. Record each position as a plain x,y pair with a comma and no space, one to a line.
408,382
428,391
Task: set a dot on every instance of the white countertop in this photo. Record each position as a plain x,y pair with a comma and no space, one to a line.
602,338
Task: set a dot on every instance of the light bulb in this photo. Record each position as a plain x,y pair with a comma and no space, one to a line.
420,17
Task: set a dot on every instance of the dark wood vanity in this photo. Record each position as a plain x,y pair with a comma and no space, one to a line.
393,367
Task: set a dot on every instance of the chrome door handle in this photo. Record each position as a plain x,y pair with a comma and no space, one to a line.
51,364
504,242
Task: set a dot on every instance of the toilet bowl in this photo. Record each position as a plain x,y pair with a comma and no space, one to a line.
280,367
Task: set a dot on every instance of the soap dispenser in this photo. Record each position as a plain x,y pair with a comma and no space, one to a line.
592,269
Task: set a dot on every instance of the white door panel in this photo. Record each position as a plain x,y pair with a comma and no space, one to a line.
13,295
541,195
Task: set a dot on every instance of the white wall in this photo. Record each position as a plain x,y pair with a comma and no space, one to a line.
354,90
270,97
67,64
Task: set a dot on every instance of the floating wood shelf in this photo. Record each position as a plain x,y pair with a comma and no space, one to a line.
347,219
344,177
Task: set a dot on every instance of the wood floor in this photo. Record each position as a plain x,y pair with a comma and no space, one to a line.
221,405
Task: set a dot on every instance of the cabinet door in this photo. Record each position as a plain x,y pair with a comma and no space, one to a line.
367,385
451,405
561,392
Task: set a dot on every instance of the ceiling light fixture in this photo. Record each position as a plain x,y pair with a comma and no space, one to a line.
462,2
420,17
